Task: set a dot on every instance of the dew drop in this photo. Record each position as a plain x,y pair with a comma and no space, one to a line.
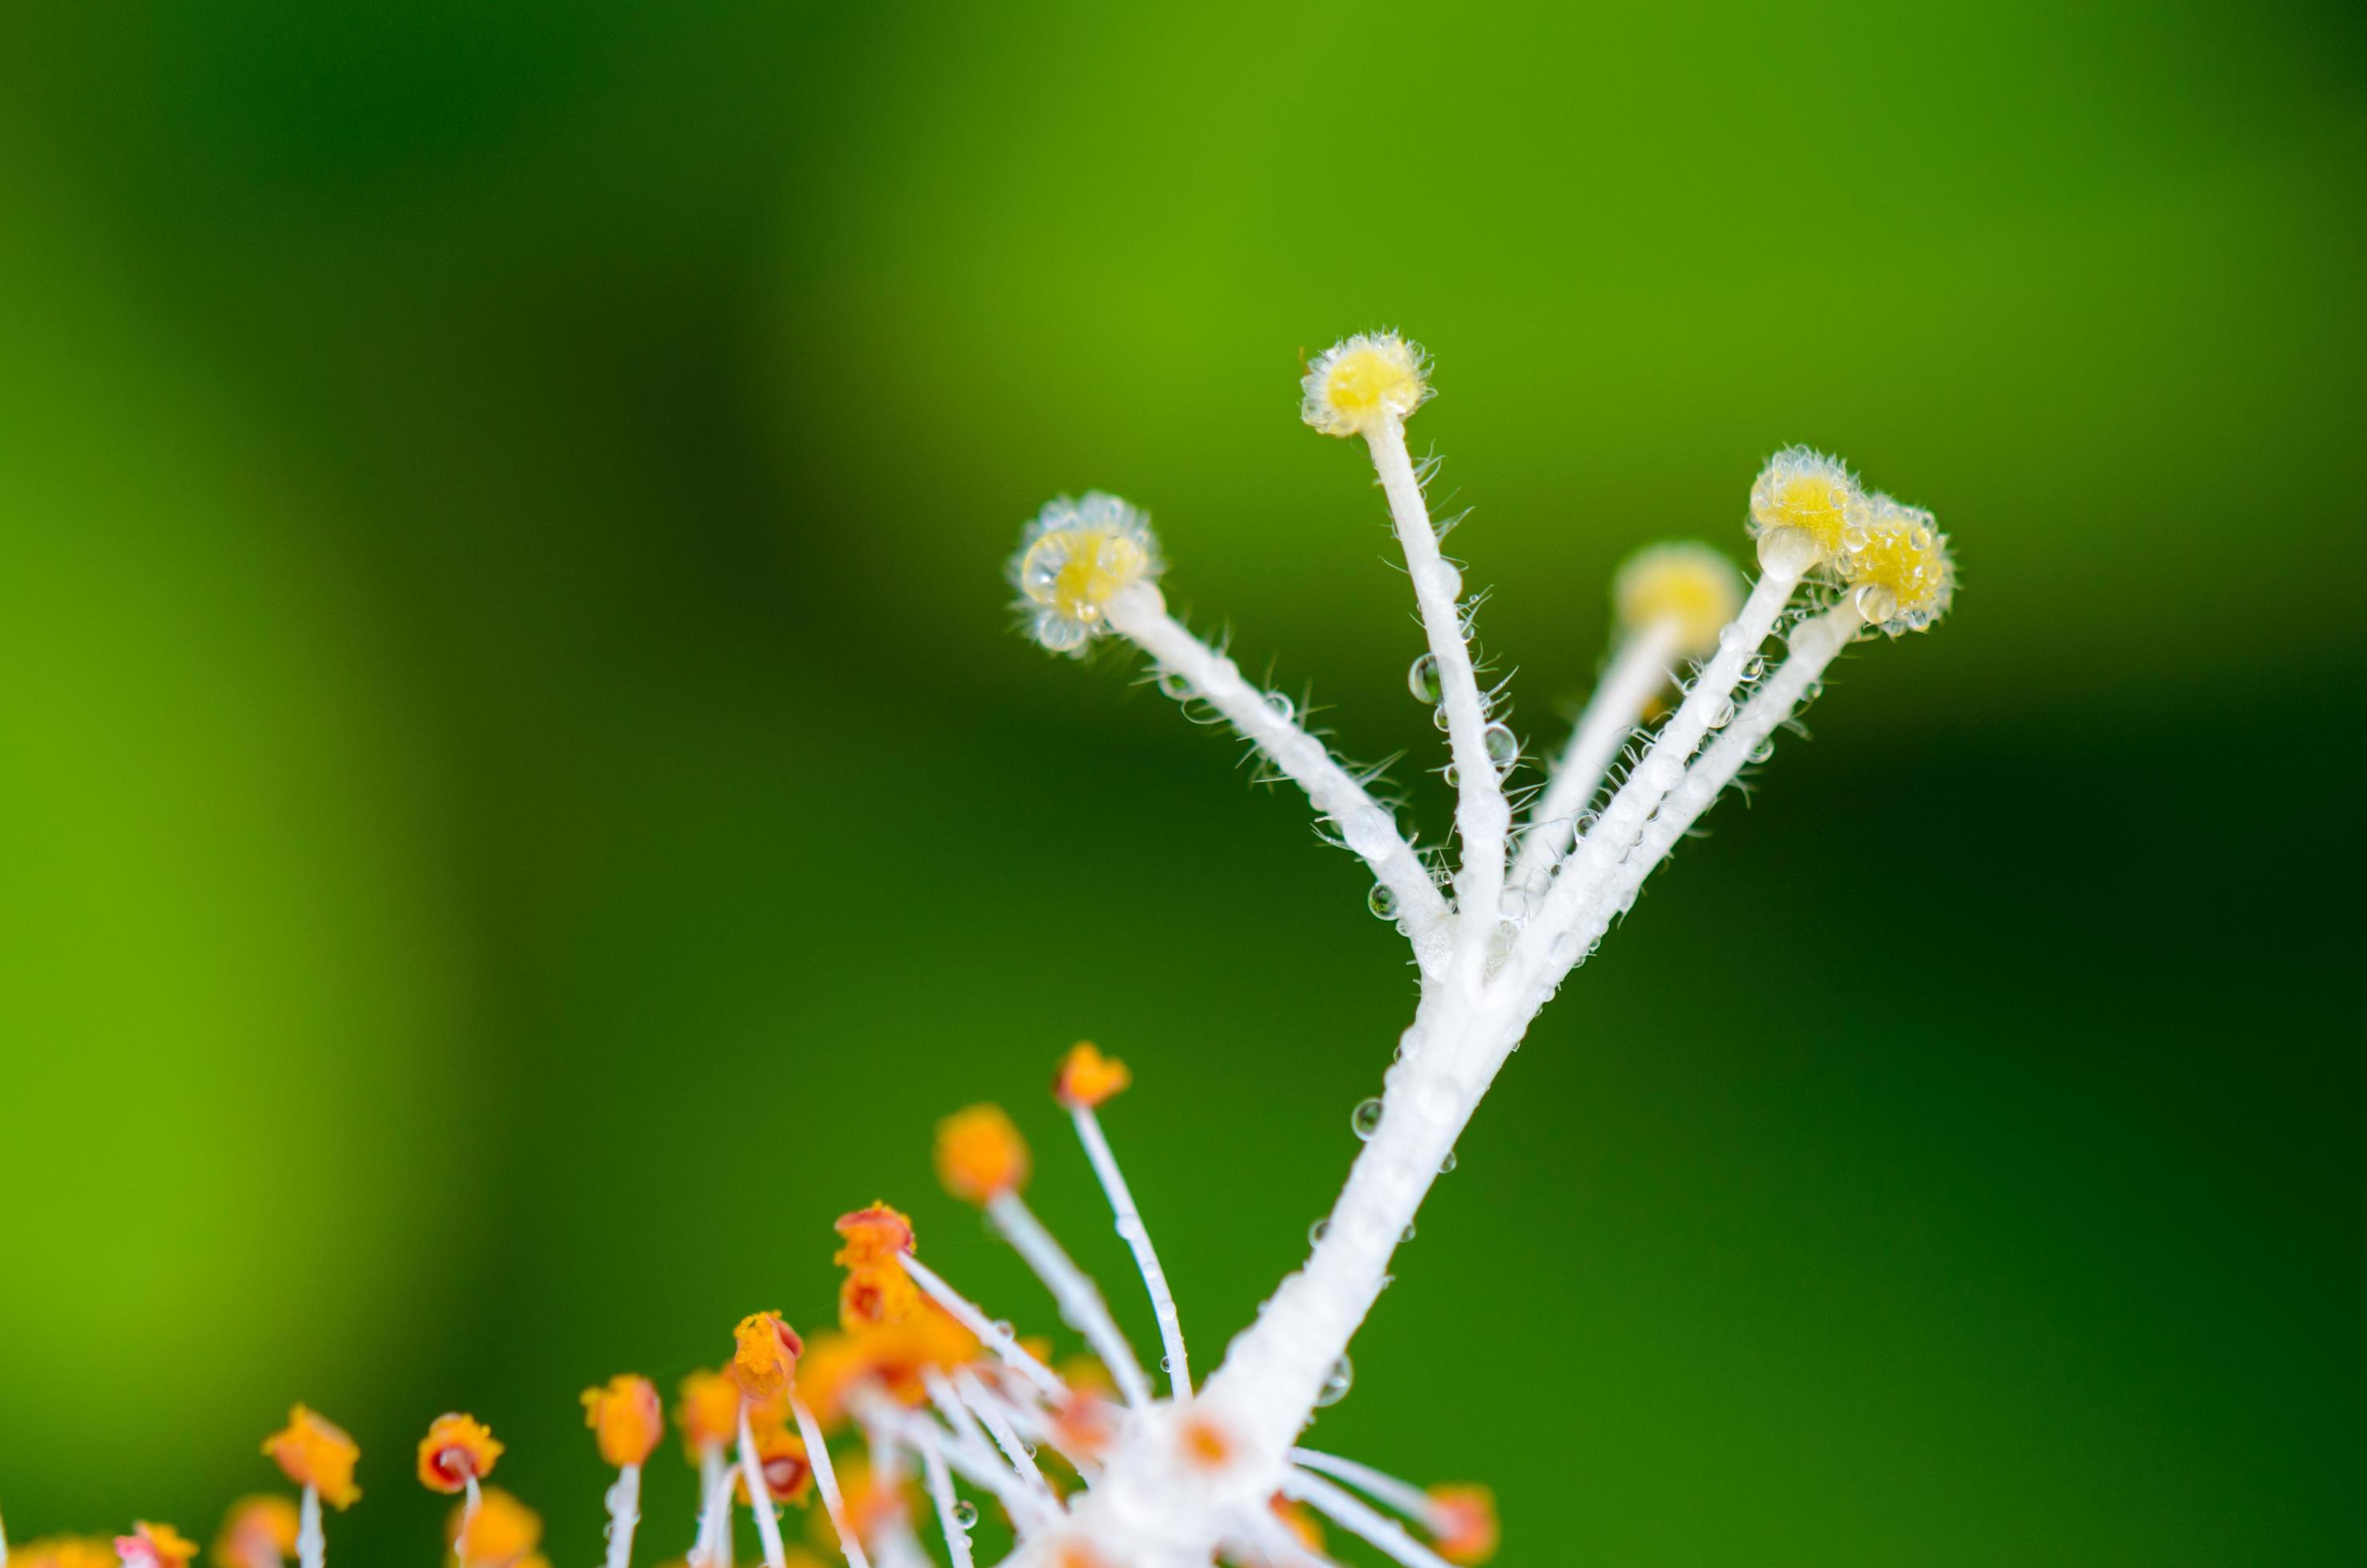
1443,580
1453,777
1003,1329
964,1512
1175,686
1503,746
1876,604
1422,679
1167,1363
1382,902
1754,666
1365,1119
1407,1235
1318,1231
1721,716
1439,720
1764,750
1448,1164
1787,552
1283,706
1816,689
1336,1383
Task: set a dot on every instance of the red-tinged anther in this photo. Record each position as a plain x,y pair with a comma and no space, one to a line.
766,1359
1463,1525
781,1459
456,1451
628,1417
1087,1078
154,1546
875,1234
877,1289
315,1452
980,1156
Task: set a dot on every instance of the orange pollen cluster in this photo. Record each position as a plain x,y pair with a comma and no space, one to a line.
1205,1443
502,1531
1463,1523
1087,1078
895,1355
457,1449
766,1361
877,1289
258,1532
980,1156
154,1546
315,1452
65,1551
628,1416
708,1411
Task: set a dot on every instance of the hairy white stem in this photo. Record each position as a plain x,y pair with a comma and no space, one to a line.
311,1541
826,1483
941,1492
1637,670
760,1497
968,1449
713,1546
1139,614
1360,1518
1480,812
1814,644
1138,1240
1403,1496
1079,1299
991,1335
624,1514
976,1399
1545,946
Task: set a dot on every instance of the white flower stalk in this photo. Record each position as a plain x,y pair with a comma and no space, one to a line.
850,1545
760,1496
1183,1477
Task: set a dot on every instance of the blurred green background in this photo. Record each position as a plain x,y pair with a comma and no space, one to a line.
519,802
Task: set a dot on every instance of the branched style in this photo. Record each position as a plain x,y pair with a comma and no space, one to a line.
921,1411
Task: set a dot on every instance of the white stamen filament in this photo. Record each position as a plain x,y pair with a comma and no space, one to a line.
940,1490
624,1514
1480,813
1079,1299
993,1334
826,1483
311,1541
474,1498
975,1400
1638,671
713,1546
1369,829
1359,1518
760,1497
1403,1496
1138,1240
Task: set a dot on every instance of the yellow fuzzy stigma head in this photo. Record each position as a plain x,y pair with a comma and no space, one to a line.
1073,559
1898,567
1690,588
1801,505
1354,387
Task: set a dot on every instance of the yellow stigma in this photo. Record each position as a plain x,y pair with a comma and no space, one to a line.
1073,559
1800,508
1354,387
1689,587
1898,566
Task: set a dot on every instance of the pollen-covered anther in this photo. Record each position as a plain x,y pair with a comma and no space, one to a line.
781,1460
312,1452
708,1410
1898,567
1073,559
1801,507
257,1532
154,1546
1089,1079
1463,1523
979,1155
626,1417
877,1289
765,1361
1356,386
457,1449
501,1531
1690,589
